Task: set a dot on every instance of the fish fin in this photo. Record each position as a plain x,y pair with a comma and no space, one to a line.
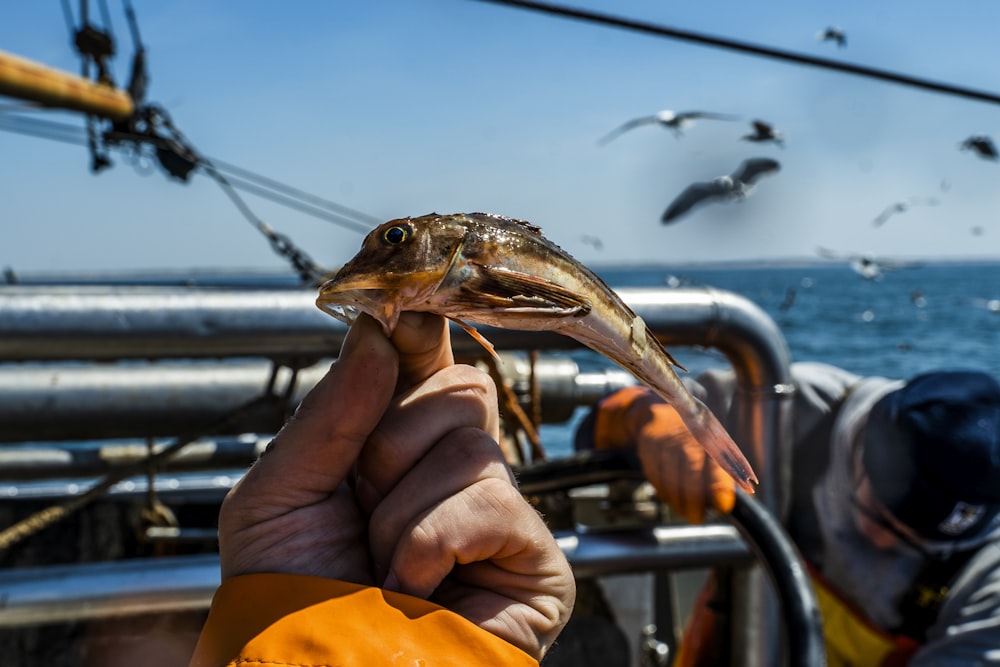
672,360
478,337
498,287
641,338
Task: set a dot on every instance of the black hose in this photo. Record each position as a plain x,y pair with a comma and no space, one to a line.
777,554
760,529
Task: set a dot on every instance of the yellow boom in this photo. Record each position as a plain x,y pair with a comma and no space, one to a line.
50,87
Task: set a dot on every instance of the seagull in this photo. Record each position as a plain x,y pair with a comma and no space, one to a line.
901,207
763,131
889,211
788,301
833,34
737,185
867,266
981,145
992,305
673,120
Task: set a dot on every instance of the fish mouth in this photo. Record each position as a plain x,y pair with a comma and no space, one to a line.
344,302
383,296
344,299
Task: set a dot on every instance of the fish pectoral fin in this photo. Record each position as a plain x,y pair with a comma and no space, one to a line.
498,287
478,337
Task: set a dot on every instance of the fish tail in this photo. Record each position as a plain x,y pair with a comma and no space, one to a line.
712,435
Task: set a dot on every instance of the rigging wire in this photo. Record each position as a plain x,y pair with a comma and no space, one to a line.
211,168
44,129
139,78
308,270
180,149
235,177
105,15
70,22
295,192
753,49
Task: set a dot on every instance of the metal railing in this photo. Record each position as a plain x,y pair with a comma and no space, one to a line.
63,325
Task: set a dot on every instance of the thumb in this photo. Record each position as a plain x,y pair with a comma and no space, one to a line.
424,345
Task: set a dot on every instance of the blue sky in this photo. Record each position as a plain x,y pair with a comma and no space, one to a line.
396,107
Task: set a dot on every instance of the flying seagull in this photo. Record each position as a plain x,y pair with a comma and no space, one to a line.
763,131
735,186
902,207
867,266
833,34
981,145
673,120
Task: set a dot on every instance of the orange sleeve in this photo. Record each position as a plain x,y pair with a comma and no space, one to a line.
285,619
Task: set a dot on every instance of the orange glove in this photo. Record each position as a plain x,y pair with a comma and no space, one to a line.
679,468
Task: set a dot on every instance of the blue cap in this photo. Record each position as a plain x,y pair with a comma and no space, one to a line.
932,453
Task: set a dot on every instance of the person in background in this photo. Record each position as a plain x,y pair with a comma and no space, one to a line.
382,525
895,505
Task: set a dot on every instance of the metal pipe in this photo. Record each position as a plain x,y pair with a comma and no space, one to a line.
27,80
104,323
108,323
753,344
60,593
72,401
79,460
139,400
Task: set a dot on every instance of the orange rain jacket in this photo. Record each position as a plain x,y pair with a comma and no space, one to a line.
260,620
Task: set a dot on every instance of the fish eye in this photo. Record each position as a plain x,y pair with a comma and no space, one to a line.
397,234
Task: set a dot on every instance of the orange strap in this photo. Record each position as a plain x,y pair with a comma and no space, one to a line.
286,619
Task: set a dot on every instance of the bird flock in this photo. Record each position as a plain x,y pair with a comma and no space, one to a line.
740,184
729,187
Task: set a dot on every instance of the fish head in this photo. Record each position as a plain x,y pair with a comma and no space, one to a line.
400,265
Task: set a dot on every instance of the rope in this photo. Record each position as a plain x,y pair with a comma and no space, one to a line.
46,517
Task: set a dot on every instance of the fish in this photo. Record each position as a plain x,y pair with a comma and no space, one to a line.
483,268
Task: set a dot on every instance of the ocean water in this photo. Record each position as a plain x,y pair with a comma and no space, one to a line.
909,320
914,319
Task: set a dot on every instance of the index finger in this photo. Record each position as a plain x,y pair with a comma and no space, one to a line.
423,342
316,448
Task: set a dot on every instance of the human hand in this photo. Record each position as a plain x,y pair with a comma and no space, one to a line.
389,474
683,474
